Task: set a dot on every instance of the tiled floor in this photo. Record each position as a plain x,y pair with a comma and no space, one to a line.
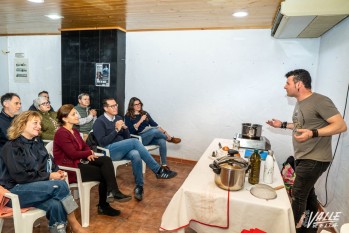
140,217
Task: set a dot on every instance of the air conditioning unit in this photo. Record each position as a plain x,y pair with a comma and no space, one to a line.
308,18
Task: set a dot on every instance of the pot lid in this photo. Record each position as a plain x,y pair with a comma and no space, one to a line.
232,162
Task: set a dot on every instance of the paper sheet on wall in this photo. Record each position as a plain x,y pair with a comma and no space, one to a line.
21,74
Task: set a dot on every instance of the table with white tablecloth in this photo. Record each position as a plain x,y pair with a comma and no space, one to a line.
204,207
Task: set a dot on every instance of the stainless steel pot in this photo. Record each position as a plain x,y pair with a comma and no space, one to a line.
252,131
230,172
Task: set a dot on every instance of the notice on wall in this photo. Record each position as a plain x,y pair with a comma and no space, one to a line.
21,70
102,74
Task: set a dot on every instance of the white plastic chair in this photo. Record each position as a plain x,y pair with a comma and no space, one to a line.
84,189
23,222
116,163
149,147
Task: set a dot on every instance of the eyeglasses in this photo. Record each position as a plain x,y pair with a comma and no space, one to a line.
137,104
113,106
46,103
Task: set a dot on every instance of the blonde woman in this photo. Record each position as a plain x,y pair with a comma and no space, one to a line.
28,171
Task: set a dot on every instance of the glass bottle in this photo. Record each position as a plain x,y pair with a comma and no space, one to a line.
255,161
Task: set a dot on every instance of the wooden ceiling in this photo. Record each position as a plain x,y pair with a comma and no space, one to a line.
20,17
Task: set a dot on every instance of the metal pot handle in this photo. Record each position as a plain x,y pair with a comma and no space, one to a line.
216,169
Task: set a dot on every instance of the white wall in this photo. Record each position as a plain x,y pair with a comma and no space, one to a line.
333,81
44,58
4,65
200,85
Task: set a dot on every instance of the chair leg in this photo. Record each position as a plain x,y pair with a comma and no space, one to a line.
85,207
27,227
115,168
1,224
144,165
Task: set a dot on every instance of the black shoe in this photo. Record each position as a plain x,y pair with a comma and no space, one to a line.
108,210
117,196
139,193
165,174
120,197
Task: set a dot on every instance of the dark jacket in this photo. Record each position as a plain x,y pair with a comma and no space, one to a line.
104,131
5,122
24,161
130,122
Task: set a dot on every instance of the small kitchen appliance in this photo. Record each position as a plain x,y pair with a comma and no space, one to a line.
261,144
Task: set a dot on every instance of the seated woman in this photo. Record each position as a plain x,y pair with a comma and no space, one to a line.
28,171
69,149
49,123
140,122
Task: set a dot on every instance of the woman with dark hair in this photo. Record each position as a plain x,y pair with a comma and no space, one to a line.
69,149
28,171
139,122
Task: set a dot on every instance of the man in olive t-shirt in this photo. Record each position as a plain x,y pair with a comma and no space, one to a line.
315,119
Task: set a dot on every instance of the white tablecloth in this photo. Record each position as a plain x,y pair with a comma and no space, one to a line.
200,204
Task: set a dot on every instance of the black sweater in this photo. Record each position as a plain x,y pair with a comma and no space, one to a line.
24,161
5,122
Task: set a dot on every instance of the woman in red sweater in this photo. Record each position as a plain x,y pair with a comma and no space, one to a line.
70,150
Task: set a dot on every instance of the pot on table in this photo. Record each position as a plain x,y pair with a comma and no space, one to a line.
230,172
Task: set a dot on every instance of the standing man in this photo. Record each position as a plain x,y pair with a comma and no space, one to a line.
87,116
112,133
11,106
42,94
315,119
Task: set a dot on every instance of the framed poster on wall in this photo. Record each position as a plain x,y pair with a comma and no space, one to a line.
102,78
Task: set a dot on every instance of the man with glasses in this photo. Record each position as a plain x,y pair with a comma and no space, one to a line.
41,94
87,116
315,120
11,106
112,133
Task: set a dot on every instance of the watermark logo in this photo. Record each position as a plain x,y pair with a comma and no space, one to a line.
321,219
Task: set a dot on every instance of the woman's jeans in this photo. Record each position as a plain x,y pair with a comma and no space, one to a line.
132,149
303,191
156,137
45,195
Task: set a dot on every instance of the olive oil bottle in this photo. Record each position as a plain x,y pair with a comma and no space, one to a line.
255,161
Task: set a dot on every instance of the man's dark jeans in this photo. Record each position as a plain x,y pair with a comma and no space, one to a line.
303,191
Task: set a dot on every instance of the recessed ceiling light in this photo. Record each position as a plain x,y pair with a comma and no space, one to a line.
36,1
240,14
54,16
